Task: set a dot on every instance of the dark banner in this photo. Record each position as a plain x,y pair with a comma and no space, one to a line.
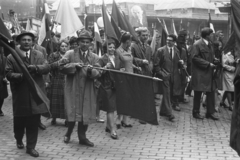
135,97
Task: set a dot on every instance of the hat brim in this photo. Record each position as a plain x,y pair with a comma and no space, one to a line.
25,34
79,38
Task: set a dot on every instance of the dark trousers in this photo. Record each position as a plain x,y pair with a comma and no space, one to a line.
1,104
30,123
166,108
174,98
210,99
82,129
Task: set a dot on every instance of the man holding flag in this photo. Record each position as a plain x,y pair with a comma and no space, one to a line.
25,109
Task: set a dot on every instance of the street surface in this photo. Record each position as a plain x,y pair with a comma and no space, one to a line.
186,139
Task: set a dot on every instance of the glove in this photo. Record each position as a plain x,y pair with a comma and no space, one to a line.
32,68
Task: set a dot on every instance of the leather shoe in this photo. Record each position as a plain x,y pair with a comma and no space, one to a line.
126,125
20,145
1,113
142,122
213,116
66,139
41,126
197,116
176,108
32,152
86,142
114,135
171,118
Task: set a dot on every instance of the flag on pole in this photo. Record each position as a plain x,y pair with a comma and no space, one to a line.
108,28
118,17
6,42
68,18
98,40
210,24
45,38
153,43
130,98
165,27
180,26
28,26
173,28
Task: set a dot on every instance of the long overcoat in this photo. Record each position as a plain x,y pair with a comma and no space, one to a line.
80,92
23,102
139,53
3,85
164,64
202,56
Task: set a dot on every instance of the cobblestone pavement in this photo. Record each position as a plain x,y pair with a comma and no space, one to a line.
186,139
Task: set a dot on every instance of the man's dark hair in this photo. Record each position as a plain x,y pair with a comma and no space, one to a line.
173,37
126,36
206,31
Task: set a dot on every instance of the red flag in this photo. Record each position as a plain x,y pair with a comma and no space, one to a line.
36,91
108,28
118,17
45,38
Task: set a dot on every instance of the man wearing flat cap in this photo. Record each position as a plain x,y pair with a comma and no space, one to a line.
80,92
26,113
203,66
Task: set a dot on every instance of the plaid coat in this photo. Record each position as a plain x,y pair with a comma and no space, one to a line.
56,91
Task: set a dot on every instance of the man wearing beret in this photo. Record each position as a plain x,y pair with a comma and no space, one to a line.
26,113
202,74
80,92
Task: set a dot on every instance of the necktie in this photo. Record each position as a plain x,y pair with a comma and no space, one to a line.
144,48
27,59
171,54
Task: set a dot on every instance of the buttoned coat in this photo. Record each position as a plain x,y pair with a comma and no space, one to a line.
202,73
167,67
23,102
139,54
79,92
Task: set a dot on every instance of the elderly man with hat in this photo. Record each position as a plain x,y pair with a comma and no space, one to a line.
26,113
80,91
203,66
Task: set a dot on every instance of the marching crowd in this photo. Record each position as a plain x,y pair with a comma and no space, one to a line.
78,89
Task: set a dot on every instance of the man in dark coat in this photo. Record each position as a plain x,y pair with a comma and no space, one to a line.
164,69
202,74
3,80
26,113
142,53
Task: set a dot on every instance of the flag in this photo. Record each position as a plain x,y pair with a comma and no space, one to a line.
165,27
235,127
83,11
45,38
6,42
130,28
68,18
180,26
108,28
173,29
132,100
210,24
163,37
118,17
153,43
28,26
98,40
116,29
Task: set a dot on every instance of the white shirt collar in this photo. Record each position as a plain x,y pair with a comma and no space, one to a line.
205,41
84,53
28,53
